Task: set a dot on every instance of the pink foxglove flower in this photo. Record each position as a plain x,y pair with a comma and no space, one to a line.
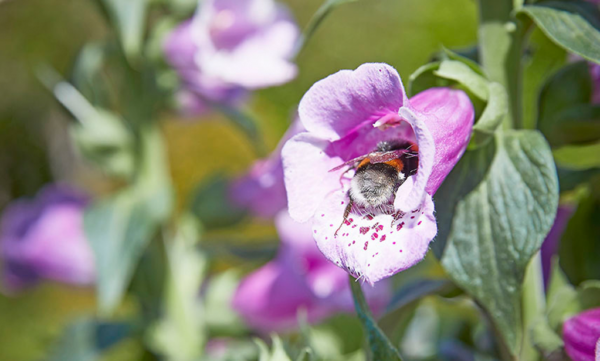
298,279
366,139
262,190
44,239
581,335
229,47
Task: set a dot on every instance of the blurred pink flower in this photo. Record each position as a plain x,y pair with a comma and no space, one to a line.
262,190
44,238
299,278
348,115
581,335
231,46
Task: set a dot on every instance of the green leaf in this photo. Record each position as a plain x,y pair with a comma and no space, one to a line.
579,246
277,353
417,290
103,140
180,334
578,157
423,78
86,339
548,342
129,18
562,99
544,59
568,25
211,204
492,116
494,210
119,230
380,347
469,57
462,73
220,316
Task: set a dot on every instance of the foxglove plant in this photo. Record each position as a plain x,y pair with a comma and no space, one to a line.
44,239
348,115
230,47
298,280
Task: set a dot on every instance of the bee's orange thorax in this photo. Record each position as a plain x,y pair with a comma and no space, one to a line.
396,163
363,163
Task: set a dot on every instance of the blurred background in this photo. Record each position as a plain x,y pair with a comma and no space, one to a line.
36,150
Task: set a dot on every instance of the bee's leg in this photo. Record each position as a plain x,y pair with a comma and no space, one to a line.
342,176
346,214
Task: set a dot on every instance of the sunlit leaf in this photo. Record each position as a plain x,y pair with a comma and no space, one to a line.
465,75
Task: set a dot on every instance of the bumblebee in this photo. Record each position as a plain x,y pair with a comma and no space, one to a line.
378,175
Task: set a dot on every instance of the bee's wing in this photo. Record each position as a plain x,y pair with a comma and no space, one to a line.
382,157
351,162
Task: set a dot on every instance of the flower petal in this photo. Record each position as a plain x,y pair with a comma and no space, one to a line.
580,335
412,194
373,247
306,173
270,297
448,115
334,106
259,61
179,47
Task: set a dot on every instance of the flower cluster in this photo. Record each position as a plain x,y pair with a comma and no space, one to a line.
229,47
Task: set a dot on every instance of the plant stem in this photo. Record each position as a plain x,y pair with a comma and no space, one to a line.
534,304
500,47
380,346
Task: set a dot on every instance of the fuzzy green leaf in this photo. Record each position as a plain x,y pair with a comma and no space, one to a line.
494,210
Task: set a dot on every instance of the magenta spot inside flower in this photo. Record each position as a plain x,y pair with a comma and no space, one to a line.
349,244
342,202
393,242
400,251
322,215
331,225
325,237
382,238
315,231
413,217
369,265
366,245
353,242
368,217
354,226
346,222
380,227
374,236
418,224
351,220
399,226
375,225
364,230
